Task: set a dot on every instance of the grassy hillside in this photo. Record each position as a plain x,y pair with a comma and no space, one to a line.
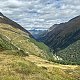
22,41
15,36
23,58
5,45
18,68
15,66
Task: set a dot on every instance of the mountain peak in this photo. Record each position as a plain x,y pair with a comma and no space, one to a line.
1,14
6,20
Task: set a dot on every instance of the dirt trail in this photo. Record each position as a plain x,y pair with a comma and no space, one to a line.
44,63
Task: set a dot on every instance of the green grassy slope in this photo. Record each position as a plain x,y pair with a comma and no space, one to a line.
23,58
14,66
23,42
17,68
5,45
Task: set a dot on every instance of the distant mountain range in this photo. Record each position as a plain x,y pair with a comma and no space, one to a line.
36,32
36,28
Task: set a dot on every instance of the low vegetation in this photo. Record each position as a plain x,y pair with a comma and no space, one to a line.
17,68
6,45
71,54
23,58
41,45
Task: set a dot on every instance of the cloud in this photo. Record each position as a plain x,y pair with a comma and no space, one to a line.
40,13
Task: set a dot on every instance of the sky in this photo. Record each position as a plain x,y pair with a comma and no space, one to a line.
40,13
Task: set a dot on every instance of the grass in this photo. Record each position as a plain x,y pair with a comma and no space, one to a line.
7,48
6,45
22,41
15,49
41,45
45,48
17,68
24,44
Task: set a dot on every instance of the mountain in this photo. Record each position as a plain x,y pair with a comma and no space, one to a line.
36,32
64,39
63,34
23,58
14,35
71,54
5,20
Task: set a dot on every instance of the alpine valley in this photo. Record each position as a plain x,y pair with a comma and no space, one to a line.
64,40
24,58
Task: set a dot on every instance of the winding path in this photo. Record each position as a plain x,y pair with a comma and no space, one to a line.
44,63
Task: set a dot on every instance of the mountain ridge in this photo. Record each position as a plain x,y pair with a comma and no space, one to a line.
61,31
6,20
64,40
23,58
19,37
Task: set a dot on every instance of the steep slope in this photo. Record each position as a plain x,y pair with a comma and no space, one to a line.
64,39
20,38
20,57
6,20
71,54
62,35
4,44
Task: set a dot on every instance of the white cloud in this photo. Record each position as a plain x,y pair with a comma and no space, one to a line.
40,13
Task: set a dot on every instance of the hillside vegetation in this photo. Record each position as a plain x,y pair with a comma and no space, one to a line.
24,68
64,40
71,54
22,41
23,58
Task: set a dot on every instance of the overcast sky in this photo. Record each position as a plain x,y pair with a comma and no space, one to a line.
40,13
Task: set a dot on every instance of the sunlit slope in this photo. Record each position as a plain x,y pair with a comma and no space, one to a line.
23,58
24,68
14,35
6,45
21,40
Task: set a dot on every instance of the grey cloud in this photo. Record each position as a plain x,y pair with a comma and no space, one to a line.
40,13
